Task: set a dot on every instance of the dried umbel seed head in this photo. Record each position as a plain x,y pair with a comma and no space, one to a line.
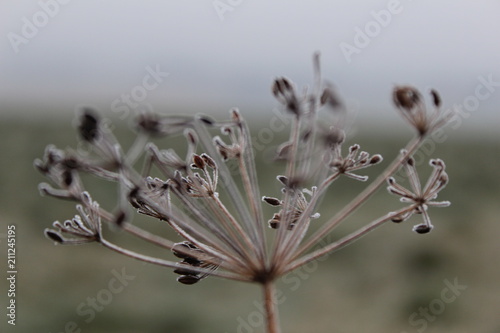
406,97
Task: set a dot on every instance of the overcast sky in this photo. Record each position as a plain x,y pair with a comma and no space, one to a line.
206,55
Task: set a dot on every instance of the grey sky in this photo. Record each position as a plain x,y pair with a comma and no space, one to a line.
93,52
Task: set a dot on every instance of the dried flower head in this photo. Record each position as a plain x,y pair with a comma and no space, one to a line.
412,107
420,198
217,213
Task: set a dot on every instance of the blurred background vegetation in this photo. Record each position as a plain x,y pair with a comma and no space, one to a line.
374,285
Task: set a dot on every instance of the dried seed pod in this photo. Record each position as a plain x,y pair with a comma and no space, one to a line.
191,136
120,218
329,96
281,86
272,201
207,120
333,137
67,178
185,270
275,221
436,99
406,97
397,219
376,159
283,180
209,161
53,235
89,125
198,162
148,123
188,279
70,163
179,249
422,228
283,151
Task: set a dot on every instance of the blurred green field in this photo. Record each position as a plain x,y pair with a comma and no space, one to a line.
375,285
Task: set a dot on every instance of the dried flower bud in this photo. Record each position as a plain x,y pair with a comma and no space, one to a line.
274,223
333,137
422,228
89,125
209,161
70,163
235,115
191,136
376,159
406,97
283,180
120,218
272,201
188,279
283,151
397,219
67,178
329,96
55,236
436,99
149,123
281,86
207,120
198,162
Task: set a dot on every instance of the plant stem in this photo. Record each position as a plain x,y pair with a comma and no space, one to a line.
271,305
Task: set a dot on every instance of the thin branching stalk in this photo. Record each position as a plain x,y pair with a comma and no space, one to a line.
217,215
360,199
344,241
